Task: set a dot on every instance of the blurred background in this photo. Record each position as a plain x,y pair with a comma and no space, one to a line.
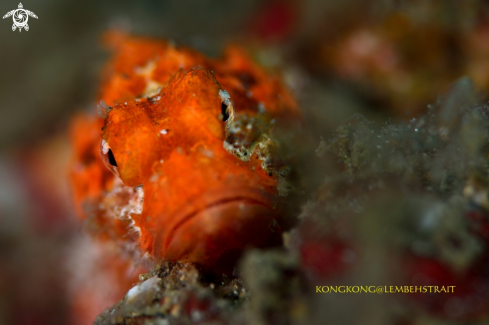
383,59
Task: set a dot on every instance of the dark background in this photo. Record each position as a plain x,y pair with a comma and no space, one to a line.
53,68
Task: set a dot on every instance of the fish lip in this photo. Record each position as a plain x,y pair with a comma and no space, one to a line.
215,198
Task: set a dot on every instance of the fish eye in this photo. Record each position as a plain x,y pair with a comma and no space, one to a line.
227,109
111,158
108,157
225,112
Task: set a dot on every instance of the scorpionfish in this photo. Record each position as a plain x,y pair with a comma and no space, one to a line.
185,158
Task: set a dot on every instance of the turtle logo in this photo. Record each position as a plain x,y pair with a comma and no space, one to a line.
20,16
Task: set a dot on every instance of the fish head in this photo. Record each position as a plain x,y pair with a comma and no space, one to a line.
203,197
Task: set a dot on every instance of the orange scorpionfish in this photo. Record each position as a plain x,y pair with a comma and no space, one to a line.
183,157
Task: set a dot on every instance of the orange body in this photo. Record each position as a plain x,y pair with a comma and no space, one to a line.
196,136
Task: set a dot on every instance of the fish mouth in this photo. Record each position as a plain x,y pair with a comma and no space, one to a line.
217,221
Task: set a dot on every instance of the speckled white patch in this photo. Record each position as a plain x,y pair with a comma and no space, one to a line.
105,147
150,284
152,86
124,210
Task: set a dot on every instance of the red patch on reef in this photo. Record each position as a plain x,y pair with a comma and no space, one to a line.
275,20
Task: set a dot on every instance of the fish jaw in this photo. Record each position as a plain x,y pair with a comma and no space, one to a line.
217,223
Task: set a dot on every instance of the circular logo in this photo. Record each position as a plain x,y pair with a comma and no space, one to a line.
20,18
